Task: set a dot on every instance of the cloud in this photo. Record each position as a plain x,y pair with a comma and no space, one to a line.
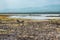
2,5
24,3
6,5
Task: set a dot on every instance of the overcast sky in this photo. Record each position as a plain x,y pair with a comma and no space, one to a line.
29,5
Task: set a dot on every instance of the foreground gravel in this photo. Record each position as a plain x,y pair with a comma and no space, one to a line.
29,30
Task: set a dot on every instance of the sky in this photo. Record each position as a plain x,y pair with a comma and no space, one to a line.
29,5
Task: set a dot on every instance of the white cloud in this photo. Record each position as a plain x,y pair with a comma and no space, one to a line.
16,4
11,4
25,3
2,5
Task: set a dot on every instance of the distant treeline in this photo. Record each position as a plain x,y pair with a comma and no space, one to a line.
30,13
